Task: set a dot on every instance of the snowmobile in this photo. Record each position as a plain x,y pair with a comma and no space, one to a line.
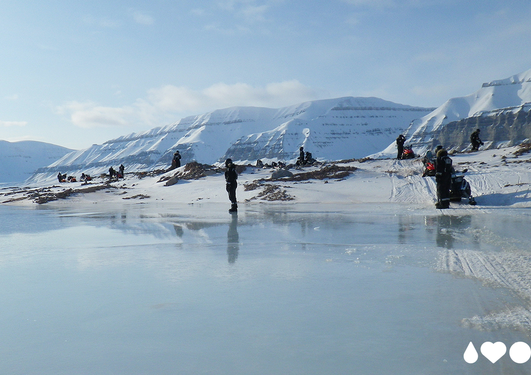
408,153
460,188
61,177
429,169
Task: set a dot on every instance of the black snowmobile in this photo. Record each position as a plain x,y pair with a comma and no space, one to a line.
460,188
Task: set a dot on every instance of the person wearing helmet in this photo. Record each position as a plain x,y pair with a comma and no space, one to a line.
443,178
230,178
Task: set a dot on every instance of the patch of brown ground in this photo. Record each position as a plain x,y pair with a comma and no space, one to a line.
271,193
524,148
333,171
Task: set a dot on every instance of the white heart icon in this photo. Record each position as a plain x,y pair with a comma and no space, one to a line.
493,351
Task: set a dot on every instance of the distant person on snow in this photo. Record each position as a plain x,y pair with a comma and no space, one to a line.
112,173
443,178
176,161
400,140
122,169
230,179
474,139
301,160
309,158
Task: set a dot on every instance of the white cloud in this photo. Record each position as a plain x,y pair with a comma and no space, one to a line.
254,12
90,115
7,124
198,12
142,18
166,103
221,95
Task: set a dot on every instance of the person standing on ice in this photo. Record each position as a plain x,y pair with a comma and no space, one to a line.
400,146
230,178
474,139
443,178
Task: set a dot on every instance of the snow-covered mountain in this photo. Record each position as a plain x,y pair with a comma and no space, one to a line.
18,160
330,129
501,109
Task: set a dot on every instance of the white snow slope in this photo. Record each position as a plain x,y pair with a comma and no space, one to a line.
512,94
330,129
498,178
18,160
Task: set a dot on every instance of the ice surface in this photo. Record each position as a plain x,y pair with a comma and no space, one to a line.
276,289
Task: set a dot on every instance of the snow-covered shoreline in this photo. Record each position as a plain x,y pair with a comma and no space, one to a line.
498,178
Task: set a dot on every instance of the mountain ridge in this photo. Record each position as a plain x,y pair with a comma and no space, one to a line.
211,137
332,129
18,160
490,109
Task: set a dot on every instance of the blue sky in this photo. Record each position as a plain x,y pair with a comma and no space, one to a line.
76,73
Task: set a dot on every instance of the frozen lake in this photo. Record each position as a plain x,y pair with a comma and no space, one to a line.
281,289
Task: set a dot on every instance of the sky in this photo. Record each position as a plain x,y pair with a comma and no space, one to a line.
78,73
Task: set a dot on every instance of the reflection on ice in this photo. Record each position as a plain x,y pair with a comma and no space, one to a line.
272,290
233,239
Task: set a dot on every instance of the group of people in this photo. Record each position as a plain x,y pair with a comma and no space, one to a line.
114,175
305,158
404,152
63,178
439,164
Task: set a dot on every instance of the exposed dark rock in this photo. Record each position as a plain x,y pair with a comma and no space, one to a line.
505,127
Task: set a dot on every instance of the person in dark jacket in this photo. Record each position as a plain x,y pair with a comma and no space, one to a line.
301,160
475,141
176,161
112,173
400,146
230,178
443,178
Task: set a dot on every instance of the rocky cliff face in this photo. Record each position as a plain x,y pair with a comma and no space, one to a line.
503,128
